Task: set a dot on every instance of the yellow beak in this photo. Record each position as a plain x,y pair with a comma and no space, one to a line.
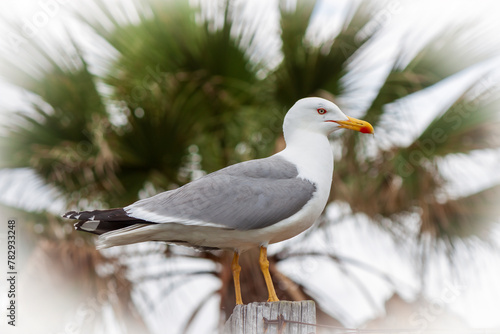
356,125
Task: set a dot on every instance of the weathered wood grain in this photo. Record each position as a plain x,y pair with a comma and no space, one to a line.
249,319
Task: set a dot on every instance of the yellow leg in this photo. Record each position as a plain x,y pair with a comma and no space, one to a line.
236,268
264,266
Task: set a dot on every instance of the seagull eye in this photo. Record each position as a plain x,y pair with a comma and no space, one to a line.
321,111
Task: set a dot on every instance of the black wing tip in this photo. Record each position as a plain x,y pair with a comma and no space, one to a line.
78,225
70,215
102,221
118,214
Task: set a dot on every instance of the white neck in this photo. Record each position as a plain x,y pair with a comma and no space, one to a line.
312,153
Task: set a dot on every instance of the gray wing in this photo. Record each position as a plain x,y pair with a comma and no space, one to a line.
250,195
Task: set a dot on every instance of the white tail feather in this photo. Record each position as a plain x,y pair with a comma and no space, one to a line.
127,235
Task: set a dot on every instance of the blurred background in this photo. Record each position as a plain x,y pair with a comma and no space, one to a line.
106,102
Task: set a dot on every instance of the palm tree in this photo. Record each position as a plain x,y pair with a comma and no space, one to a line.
181,92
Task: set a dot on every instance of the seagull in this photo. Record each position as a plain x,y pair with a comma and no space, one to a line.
246,205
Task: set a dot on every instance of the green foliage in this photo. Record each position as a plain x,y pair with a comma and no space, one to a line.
468,124
176,82
308,69
62,138
187,90
442,57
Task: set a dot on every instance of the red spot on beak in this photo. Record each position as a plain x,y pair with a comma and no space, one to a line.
365,129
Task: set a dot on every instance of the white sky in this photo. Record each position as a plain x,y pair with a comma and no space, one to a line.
478,302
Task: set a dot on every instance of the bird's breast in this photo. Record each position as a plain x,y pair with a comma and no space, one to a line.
312,155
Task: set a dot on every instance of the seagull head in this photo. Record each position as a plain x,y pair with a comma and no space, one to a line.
321,116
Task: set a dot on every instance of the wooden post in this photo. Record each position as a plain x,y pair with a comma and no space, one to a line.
249,319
